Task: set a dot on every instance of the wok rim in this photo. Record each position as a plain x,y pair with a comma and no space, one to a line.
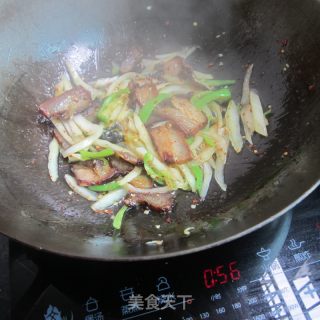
175,254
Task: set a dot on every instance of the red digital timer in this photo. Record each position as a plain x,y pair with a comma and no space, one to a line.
221,275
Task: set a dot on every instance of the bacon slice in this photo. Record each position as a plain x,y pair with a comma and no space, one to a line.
64,106
92,172
143,90
134,56
176,67
170,144
62,142
183,115
122,167
156,201
142,182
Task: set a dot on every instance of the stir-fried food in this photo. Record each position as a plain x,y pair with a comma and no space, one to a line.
156,127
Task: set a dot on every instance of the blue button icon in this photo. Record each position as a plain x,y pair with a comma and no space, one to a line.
53,313
163,284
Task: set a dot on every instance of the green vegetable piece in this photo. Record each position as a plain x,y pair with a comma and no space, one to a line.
117,221
190,140
202,99
208,140
218,83
198,174
148,108
88,155
106,187
157,177
115,69
108,100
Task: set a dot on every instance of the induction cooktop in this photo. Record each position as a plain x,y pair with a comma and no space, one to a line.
273,273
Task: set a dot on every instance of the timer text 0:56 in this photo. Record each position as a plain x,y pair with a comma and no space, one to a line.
221,274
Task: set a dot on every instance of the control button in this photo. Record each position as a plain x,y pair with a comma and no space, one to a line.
264,254
92,305
162,284
302,256
242,289
52,313
307,292
221,310
216,296
204,315
126,293
92,310
294,245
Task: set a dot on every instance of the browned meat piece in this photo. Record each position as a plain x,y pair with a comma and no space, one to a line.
122,167
67,104
142,182
176,70
93,172
142,90
156,201
63,143
176,67
184,116
129,158
134,56
170,143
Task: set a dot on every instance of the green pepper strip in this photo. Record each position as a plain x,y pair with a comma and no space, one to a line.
88,155
106,187
148,108
208,140
197,171
204,98
190,140
117,222
219,83
107,101
150,171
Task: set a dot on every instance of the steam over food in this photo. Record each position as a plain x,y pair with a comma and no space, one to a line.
155,127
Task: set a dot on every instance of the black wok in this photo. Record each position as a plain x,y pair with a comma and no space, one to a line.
280,37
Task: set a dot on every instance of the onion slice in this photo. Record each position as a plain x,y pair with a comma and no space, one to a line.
259,120
130,176
143,134
115,147
184,53
62,130
85,143
247,120
109,199
175,89
85,125
233,126
245,99
53,160
207,176
133,189
95,93
189,176
82,191
121,82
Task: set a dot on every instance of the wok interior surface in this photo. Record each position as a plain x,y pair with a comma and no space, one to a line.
280,39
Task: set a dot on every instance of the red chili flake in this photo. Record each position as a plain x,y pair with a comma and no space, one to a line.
195,201
168,219
312,87
283,42
210,65
107,211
